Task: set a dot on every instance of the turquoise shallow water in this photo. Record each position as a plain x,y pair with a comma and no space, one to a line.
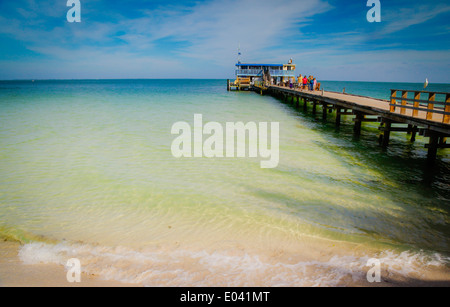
87,171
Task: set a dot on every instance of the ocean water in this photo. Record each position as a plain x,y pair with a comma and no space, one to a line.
86,171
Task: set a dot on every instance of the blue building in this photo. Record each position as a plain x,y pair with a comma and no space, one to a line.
268,73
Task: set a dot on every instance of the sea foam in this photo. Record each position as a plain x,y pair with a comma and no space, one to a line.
162,267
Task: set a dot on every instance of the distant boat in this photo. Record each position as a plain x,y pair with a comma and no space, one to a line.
426,83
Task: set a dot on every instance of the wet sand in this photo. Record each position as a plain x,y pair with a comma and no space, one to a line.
13,273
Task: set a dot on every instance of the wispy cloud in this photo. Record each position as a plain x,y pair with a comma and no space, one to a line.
212,30
182,39
208,31
403,18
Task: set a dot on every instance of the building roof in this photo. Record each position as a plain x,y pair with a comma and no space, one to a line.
271,65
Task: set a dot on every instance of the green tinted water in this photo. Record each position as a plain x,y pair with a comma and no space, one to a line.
90,162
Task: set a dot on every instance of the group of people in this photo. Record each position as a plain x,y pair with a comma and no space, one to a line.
307,83
304,83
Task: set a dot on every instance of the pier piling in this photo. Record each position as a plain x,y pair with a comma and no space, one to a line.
358,121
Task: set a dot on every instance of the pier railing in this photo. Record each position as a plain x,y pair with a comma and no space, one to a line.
248,72
435,104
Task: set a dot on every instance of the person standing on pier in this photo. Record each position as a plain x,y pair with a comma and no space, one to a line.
300,81
305,82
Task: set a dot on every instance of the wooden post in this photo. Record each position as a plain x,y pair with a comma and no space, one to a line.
380,136
416,104
314,107
386,133
432,147
358,122
324,111
413,134
431,98
338,117
404,95
393,100
228,84
446,119
305,104
409,130
412,130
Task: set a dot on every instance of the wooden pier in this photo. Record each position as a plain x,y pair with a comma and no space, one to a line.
412,112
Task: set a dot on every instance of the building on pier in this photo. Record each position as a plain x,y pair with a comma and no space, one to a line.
268,74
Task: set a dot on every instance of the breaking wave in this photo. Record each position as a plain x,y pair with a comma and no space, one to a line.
173,268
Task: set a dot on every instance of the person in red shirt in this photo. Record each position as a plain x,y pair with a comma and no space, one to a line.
305,82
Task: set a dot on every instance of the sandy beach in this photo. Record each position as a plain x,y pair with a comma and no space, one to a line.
13,273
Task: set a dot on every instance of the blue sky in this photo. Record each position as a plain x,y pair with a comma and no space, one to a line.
330,39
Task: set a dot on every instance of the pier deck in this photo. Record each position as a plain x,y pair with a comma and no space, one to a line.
428,117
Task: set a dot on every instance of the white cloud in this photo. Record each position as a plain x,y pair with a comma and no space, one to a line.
410,16
212,30
267,30
208,31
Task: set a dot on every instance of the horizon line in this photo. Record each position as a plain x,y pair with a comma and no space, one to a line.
116,79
